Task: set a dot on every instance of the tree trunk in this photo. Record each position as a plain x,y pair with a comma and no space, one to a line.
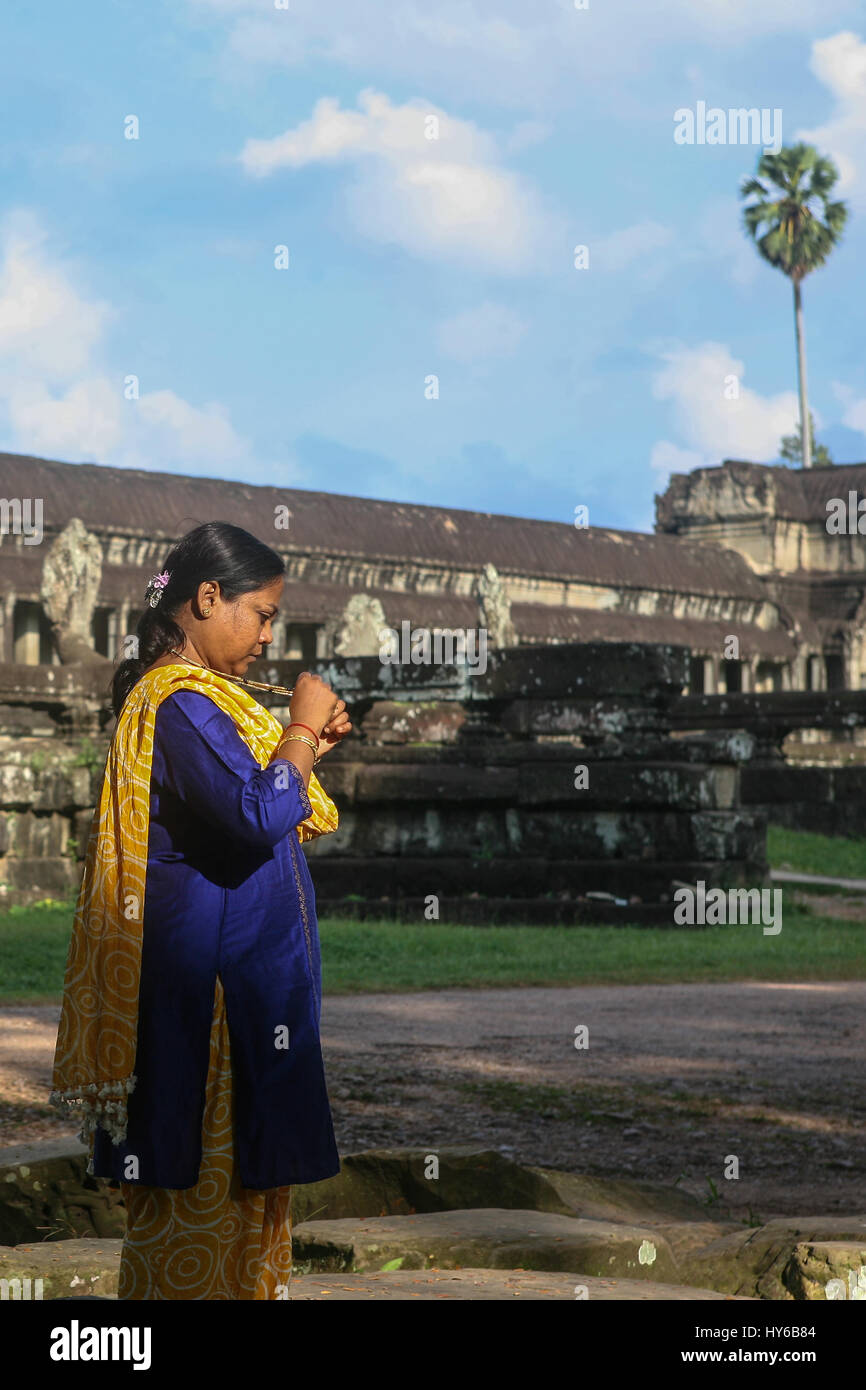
805,422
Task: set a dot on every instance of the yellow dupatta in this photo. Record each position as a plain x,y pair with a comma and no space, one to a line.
94,1059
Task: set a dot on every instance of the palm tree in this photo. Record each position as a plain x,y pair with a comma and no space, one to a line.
801,227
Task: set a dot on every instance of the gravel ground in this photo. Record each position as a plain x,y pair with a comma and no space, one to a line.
675,1078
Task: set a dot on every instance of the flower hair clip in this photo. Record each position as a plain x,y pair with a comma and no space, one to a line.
153,592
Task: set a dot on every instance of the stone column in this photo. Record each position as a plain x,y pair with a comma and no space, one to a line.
278,647
8,651
27,644
711,683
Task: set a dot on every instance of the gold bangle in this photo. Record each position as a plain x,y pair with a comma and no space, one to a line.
300,738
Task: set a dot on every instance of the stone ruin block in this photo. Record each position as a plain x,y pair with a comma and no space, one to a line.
32,836
432,721
464,779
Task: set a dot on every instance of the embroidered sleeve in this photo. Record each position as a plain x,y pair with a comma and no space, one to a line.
324,817
296,773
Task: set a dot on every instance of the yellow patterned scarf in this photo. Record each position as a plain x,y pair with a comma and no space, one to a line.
94,1061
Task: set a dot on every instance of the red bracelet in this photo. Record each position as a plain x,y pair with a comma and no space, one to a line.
296,724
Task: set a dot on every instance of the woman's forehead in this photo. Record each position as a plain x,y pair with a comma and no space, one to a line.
270,591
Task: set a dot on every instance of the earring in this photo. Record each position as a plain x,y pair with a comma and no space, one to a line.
206,610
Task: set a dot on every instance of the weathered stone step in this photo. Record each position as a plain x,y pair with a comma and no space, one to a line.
486,1238
832,1269
44,1186
88,1269
67,1268
789,1258
769,1263
475,1284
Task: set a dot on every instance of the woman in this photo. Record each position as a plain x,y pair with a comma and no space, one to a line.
189,1035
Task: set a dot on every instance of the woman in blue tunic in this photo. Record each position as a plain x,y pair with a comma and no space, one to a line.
228,1105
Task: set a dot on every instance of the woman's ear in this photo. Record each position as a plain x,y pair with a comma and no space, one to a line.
207,592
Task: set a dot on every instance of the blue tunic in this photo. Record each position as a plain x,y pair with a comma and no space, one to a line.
228,892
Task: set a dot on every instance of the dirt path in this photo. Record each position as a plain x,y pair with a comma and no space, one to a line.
675,1078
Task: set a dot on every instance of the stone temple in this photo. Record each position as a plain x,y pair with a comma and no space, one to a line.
743,569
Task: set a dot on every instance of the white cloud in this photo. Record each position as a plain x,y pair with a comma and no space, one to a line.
854,414
490,330
667,458
57,396
840,63
45,324
80,424
509,52
715,415
526,134
195,433
446,197
730,20
641,242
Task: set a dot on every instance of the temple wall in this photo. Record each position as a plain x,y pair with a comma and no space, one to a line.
507,794
510,794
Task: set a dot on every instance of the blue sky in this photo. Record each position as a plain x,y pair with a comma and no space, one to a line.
411,257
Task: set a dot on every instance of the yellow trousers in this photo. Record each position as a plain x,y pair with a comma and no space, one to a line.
216,1240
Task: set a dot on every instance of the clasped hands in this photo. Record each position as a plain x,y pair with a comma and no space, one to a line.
317,706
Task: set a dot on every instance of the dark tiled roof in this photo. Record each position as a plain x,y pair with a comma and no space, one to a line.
165,505
535,621
792,494
817,486
21,570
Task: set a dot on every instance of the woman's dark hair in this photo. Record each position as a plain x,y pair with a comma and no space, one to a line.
218,551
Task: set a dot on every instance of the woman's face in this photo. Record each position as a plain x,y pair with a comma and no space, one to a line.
235,631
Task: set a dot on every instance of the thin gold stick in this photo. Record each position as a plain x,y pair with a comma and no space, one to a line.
242,680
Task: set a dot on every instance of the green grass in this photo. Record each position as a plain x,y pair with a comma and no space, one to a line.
802,852
33,945
360,956
389,956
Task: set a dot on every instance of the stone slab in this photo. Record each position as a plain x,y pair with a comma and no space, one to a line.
483,1284
44,1186
45,1192
67,1268
760,1260
486,1238
88,1269
622,1199
827,1270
